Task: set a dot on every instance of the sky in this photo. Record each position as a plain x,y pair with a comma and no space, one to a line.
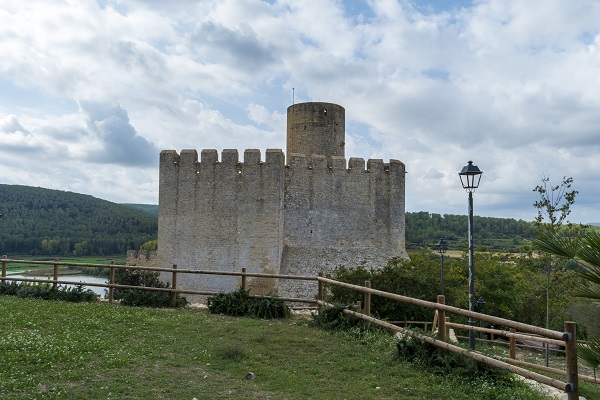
92,91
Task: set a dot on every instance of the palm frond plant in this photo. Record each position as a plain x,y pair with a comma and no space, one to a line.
585,249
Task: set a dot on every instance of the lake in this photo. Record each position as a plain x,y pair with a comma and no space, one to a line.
72,278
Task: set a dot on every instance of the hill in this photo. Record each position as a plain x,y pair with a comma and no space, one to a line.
151,209
424,229
38,221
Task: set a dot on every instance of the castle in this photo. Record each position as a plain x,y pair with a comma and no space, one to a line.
300,216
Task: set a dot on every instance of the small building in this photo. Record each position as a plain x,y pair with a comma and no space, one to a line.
302,213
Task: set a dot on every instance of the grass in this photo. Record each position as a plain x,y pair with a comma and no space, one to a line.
54,350
18,268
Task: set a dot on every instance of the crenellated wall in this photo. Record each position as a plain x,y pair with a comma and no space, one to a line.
303,218
338,214
221,215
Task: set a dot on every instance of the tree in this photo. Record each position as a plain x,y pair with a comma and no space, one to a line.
81,248
554,204
151,245
585,249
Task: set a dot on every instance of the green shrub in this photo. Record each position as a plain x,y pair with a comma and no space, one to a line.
47,291
426,355
144,298
412,278
334,318
240,303
487,382
151,245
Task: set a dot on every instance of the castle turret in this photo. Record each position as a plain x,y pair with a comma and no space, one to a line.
316,129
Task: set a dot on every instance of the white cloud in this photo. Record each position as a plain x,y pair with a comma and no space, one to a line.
509,84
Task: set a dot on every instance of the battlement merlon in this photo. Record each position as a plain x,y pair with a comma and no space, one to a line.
169,156
396,166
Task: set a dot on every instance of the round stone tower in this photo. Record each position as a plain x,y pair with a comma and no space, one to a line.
316,128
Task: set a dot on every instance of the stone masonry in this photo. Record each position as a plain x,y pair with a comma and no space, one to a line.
307,215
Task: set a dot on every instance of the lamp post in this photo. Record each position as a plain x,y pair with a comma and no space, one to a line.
470,176
441,247
480,304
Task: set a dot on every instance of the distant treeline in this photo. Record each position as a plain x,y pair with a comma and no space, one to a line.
425,229
39,221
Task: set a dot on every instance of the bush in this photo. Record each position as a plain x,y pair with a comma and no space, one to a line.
334,318
412,278
47,291
240,303
426,355
144,298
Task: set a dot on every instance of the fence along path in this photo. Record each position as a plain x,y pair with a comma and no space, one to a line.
566,338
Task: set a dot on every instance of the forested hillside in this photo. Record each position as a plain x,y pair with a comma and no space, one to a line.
39,221
151,209
425,229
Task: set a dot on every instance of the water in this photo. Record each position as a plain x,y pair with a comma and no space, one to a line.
72,278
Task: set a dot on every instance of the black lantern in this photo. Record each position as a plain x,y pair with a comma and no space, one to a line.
441,246
470,176
480,304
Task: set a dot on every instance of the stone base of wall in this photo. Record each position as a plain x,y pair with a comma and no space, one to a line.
298,261
143,258
309,261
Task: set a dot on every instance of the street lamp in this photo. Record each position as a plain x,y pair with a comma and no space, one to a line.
480,304
441,247
470,177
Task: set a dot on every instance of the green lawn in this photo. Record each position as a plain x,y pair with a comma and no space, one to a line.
54,350
18,268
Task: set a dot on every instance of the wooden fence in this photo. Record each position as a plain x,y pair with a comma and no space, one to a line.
173,290
516,330
566,338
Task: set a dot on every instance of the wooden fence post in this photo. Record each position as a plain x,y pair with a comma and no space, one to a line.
571,360
174,286
111,281
55,273
368,299
320,288
244,278
512,345
4,268
441,319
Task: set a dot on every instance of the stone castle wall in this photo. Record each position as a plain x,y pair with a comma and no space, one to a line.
221,215
307,217
338,214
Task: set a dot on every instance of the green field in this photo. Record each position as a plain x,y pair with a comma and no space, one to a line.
54,350
18,268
